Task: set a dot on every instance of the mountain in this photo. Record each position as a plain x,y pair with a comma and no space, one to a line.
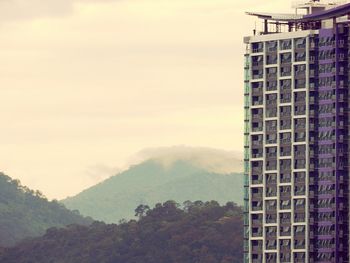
199,232
25,213
154,181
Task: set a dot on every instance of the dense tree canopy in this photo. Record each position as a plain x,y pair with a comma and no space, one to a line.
26,213
197,232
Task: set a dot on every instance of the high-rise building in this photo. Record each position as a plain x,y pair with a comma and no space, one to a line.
296,136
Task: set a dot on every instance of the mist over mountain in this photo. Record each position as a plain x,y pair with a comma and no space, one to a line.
25,213
209,159
177,174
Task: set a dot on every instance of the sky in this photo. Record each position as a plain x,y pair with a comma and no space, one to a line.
87,84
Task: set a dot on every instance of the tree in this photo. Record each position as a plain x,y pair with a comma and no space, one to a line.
164,234
141,211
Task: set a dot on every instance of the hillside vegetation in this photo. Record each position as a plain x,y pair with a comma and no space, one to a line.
25,213
196,233
152,182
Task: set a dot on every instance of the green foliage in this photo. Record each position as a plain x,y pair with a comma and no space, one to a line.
149,183
199,232
26,213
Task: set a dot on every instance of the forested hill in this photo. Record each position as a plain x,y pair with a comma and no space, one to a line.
25,213
151,182
199,232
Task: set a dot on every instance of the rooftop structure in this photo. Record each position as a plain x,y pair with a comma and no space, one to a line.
315,13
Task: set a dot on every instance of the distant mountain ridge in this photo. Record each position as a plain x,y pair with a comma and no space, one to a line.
151,182
25,213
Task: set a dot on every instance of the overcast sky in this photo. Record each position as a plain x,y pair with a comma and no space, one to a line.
85,84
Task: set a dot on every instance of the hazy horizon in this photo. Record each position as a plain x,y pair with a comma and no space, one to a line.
87,84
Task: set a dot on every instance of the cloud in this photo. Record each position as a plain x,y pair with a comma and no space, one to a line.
100,172
213,160
14,10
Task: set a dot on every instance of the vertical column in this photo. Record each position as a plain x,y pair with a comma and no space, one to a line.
246,153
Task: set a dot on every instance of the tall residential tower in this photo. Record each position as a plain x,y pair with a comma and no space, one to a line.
296,136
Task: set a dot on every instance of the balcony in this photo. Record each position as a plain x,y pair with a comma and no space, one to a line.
286,114
258,76
257,249
271,155
271,129
285,178
285,168
285,221
257,144
271,179
285,233
257,196
271,218
257,91
257,101
299,245
285,72
257,170
257,179
285,205
300,74
271,193
299,219
257,234
257,65
285,127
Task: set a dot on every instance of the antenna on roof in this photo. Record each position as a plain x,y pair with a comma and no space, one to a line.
254,31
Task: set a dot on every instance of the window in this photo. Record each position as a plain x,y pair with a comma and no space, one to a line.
271,85
271,99
299,231
299,244
285,231
299,190
285,177
271,178
285,124
285,111
286,44
271,46
286,71
271,191
271,205
299,204
285,204
271,126
271,152
286,57
258,47
285,138
271,244
271,59
286,84
271,138
300,110
300,83
285,218
300,123
300,43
